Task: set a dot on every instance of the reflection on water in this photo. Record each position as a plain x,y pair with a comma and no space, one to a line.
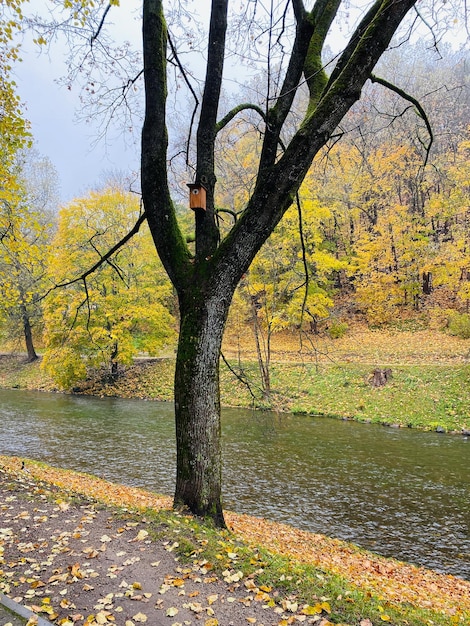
400,493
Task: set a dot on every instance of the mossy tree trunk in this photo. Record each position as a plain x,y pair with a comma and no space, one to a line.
205,281
197,406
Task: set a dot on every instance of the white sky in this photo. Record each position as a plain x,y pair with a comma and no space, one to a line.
51,109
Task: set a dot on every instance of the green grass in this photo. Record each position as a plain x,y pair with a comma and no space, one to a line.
418,396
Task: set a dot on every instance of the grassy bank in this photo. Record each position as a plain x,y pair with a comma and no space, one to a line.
300,577
428,388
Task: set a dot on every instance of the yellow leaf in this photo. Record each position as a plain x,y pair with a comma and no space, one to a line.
385,618
211,622
141,535
172,611
312,610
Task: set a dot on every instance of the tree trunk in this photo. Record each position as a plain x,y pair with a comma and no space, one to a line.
380,377
197,407
205,282
427,283
28,335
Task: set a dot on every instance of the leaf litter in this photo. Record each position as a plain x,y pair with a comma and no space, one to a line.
77,564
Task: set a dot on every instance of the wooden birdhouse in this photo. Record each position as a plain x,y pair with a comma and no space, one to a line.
197,196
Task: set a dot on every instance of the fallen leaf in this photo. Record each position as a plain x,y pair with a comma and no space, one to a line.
141,535
140,617
172,611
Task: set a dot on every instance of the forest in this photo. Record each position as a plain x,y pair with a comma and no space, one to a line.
378,234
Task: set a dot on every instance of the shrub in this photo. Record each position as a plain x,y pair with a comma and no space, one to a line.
439,318
459,325
336,330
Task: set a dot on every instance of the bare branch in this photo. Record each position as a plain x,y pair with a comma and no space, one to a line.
414,102
304,257
191,89
239,377
103,259
100,26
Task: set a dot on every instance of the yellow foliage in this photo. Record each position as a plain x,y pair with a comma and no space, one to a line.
120,309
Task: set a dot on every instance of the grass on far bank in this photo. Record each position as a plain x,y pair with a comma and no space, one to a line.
418,396
428,389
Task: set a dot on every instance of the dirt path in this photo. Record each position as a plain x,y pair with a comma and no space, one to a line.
81,563
89,562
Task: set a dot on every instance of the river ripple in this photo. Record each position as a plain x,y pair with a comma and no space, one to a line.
399,493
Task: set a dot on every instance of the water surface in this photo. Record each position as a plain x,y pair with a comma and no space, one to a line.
400,493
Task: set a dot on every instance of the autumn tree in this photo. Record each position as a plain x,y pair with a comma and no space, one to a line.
27,221
449,213
14,129
288,40
205,281
121,309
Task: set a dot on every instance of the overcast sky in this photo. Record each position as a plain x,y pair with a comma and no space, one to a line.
52,109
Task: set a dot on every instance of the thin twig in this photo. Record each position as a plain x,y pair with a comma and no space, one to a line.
237,376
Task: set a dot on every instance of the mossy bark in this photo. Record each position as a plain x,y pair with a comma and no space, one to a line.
197,406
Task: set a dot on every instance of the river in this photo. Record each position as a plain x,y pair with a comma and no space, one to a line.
400,493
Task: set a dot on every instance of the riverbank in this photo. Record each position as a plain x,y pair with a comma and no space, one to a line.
84,551
326,377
